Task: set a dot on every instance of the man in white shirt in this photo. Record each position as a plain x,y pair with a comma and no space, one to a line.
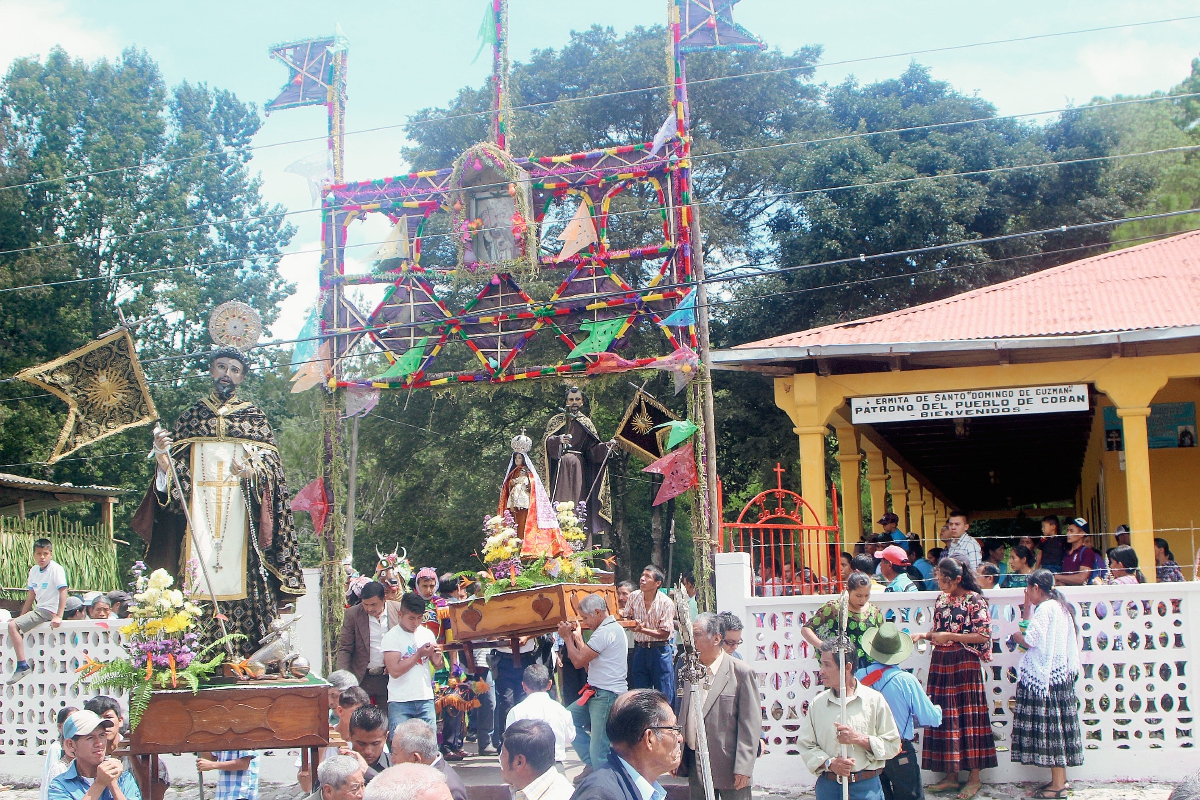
527,761
538,704
962,543
408,650
604,659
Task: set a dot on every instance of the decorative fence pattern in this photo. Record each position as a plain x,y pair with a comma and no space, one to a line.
1137,643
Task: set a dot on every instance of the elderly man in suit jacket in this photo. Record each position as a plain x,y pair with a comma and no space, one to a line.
360,644
731,713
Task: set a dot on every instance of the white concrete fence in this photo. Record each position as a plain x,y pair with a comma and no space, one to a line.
1137,689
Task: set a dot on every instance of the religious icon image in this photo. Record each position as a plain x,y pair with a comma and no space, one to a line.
494,242
231,477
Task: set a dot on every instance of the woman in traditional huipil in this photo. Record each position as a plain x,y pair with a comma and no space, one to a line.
962,642
1046,718
862,616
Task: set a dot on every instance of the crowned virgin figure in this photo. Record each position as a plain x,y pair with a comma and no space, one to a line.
524,496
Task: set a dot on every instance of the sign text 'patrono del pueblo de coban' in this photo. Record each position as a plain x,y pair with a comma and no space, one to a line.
970,403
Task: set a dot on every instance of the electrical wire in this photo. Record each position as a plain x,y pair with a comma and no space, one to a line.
617,93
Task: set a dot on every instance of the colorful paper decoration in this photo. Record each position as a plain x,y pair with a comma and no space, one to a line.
682,364
579,233
310,72
678,469
315,169
306,348
708,25
312,372
681,430
600,335
610,362
684,315
312,499
395,244
487,30
665,132
360,401
103,387
639,431
408,363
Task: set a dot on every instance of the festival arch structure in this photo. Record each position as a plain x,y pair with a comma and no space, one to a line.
493,205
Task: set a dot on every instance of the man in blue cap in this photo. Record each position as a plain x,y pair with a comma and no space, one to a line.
888,646
91,776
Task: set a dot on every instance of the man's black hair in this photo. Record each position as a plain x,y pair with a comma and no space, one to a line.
353,697
38,544
413,603
864,563
534,739
367,718
101,703
641,710
372,589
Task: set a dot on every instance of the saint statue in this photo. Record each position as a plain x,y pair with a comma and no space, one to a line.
231,477
524,496
576,463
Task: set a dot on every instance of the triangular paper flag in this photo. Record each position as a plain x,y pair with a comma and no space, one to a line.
408,363
313,372
487,30
579,233
681,430
313,500
360,401
307,345
600,335
684,314
316,170
678,469
609,362
665,132
395,244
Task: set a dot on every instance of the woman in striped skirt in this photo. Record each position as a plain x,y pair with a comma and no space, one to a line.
962,640
1046,718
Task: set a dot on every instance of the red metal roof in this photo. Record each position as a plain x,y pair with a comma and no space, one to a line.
1154,285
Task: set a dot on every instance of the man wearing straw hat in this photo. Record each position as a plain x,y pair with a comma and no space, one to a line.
854,751
887,646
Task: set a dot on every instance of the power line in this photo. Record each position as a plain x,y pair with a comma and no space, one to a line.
602,95
694,157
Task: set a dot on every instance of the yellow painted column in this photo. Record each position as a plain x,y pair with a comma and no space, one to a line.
876,476
850,460
898,488
929,511
809,400
812,468
1137,486
916,523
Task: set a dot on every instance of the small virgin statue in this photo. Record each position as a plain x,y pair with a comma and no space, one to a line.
523,496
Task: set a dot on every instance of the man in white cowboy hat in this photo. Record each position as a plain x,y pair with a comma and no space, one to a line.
889,646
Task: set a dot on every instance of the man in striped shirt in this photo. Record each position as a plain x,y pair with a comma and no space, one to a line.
653,662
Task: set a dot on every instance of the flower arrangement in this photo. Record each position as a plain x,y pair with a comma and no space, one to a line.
162,639
502,546
571,517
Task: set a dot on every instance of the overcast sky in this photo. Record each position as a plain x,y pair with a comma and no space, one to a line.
406,55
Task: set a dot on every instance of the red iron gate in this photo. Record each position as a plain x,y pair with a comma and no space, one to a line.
787,555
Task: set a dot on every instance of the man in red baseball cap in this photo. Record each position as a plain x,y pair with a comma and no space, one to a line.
892,563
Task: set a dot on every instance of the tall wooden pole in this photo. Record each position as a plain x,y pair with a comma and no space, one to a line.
706,543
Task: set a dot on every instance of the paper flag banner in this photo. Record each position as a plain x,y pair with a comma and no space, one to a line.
579,233
408,363
360,401
487,30
682,364
306,348
310,72
665,132
684,314
315,169
313,372
600,335
313,500
102,385
681,430
678,469
609,362
395,244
